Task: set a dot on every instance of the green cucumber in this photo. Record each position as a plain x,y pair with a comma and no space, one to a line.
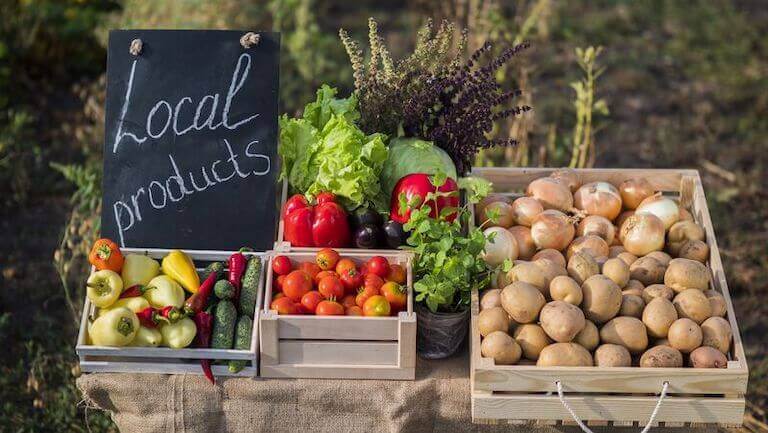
249,287
217,267
223,289
224,318
243,332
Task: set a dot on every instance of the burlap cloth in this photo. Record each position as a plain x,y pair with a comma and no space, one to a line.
437,401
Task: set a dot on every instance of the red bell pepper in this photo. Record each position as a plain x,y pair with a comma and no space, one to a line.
322,225
204,322
419,185
237,263
199,301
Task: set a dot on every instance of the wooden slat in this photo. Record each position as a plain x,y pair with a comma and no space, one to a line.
406,336
163,352
337,328
97,366
337,372
338,352
269,353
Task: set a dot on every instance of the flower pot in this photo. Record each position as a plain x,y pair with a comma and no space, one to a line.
439,335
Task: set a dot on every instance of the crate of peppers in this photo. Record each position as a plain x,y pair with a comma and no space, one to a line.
171,311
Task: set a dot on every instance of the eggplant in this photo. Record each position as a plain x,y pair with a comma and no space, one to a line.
367,236
363,215
394,235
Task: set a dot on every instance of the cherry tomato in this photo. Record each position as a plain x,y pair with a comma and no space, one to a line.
281,265
323,274
277,295
325,197
363,294
329,308
348,301
310,300
354,311
311,268
395,295
284,305
331,288
296,284
343,265
378,265
396,274
373,282
352,280
376,305
278,283
327,258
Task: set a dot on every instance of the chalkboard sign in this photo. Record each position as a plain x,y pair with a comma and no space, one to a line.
190,149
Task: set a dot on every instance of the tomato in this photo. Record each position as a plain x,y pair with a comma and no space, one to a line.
311,268
378,265
277,295
324,274
363,294
296,284
348,301
343,265
352,280
325,197
281,265
329,308
278,283
376,306
373,282
327,258
395,295
310,300
284,305
300,309
396,274
354,311
331,288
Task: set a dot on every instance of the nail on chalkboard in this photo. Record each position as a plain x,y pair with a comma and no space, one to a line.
136,46
250,39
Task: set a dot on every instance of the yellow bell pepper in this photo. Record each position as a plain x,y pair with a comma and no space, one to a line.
181,268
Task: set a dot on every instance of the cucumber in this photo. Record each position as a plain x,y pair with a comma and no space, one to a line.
249,287
217,267
243,332
223,289
224,318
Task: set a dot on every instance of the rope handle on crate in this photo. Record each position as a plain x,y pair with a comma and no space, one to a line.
586,429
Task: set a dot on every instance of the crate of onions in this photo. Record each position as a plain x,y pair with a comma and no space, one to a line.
609,304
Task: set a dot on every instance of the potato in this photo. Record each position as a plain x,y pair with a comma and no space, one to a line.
532,339
602,298
647,270
616,270
625,331
693,304
561,320
589,336
662,342
551,254
490,298
582,266
564,355
662,357
708,357
633,287
632,306
612,355
493,319
501,347
661,257
657,291
615,250
564,288
658,316
716,332
694,250
685,274
525,246
684,335
549,270
717,302
681,232
528,272
627,257
522,301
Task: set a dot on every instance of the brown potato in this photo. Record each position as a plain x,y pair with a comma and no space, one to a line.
493,319
589,336
662,357
627,257
616,270
582,266
564,288
658,316
551,254
612,355
693,304
647,270
657,291
694,250
602,298
681,232
501,347
525,246
683,274
717,302
564,355
532,339
528,272
615,250
549,269
522,301
716,332
632,306
625,331
490,298
661,257
561,321
684,335
634,287
708,357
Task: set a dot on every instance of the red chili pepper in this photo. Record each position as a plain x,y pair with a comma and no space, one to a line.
135,290
172,314
204,322
150,317
237,263
199,301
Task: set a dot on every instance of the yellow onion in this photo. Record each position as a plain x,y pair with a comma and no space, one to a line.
598,198
593,245
552,229
634,191
525,246
490,198
549,254
642,233
500,246
503,213
551,193
623,217
597,225
524,209
569,177
685,215
664,208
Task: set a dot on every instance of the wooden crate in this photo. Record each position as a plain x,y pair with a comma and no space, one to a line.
339,347
613,396
165,360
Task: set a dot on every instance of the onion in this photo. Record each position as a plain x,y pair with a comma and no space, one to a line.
551,255
552,229
551,193
524,209
490,198
633,191
593,245
664,208
526,248
568,177
502,210
597,225
623,217
598,198
503,246
642,233
685,215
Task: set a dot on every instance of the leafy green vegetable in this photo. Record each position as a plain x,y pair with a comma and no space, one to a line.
412,155
326,151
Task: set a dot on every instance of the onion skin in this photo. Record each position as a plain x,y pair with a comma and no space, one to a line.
590,244
598,198
664,208
551,193
490,198
597,225
568,177
634,191
623,217
525,209
504,246
525,246
642,233
550,254
504,212
552,229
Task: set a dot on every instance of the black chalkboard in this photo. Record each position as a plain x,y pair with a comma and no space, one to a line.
190,149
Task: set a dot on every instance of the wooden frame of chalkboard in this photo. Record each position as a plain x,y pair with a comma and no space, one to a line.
164,360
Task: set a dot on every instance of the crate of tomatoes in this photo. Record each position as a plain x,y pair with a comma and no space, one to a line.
338,315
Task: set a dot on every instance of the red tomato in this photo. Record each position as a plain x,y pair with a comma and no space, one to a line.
395,295
278,282
373,281
300,309
343,265
363,294
329,308
324,274
327,258
310,300
352,280
396,274
325,197
331,288
296,284
277,295
376,306
348,301
311,268
284,305
354,311
281,265
378,265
